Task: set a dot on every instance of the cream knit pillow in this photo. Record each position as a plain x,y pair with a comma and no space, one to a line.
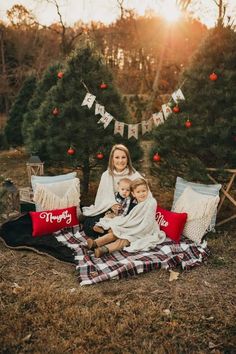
200,209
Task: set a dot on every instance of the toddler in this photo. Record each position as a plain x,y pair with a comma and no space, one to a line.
124,200
110,242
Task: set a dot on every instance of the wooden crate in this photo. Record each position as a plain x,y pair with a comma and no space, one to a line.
26,195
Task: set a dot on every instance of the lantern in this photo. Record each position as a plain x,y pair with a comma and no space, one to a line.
34,167
11,196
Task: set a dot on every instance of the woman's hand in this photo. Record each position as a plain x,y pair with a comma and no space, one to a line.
115,208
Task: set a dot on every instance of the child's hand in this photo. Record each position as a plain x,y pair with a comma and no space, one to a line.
115,208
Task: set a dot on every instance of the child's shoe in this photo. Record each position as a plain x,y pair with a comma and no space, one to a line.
98,229
91,244
100,251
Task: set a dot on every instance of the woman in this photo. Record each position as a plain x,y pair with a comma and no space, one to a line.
119,166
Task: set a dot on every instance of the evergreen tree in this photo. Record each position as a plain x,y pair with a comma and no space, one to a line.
19,107
48,80
210,106
74,125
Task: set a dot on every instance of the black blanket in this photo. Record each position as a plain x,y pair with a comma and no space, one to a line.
17,234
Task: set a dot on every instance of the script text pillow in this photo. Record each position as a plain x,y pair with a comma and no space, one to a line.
200,209
171,223
49,221
205,189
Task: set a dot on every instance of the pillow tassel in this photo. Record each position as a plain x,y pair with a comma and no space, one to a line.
49,200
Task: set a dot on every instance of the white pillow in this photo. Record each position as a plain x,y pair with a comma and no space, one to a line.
200,209
48,180
51,179
57,195
206,189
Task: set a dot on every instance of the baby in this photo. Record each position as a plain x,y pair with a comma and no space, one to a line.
124,202
110,243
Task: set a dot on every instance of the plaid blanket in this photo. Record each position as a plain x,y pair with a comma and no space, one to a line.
121,264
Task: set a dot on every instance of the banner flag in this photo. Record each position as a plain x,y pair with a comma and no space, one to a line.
158,118
146,126
178,96
99,109
166,110
106,119
88,100
119,128
133,131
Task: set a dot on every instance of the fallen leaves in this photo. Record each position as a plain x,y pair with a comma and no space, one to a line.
27,338
167,312
16,289
173,275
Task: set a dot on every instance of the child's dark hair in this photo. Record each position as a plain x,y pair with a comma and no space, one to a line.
138,182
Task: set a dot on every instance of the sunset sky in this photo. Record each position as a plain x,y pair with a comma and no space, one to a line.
107,10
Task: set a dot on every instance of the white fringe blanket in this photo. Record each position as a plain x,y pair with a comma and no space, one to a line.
58,195
139,226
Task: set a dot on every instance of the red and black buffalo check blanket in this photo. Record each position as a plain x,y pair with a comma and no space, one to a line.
121,264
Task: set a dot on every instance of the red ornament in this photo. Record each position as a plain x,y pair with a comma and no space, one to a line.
213,77
100,156
156,157
103,86
188,124
71,151
55,111
60,75
176,109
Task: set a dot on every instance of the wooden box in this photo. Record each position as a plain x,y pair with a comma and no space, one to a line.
26,195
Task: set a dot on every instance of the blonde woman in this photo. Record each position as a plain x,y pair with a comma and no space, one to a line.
119,166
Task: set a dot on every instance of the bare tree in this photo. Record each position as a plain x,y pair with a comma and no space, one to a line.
5,86
183,4
121,7
67,38
18,15
221,4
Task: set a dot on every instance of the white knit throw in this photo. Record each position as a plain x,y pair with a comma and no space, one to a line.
139,226
105,197
58,195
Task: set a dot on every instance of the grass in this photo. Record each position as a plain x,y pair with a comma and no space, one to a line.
43,309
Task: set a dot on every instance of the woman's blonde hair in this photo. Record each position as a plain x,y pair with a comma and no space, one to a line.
123,148
138,182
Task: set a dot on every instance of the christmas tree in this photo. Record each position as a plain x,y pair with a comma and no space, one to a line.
39,94
203,133
65,132
18,109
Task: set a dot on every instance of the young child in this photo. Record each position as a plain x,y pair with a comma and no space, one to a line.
136,226
124,200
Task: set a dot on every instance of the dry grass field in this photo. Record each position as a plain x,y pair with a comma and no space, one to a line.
43,309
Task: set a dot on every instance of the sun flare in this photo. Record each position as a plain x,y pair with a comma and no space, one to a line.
170,11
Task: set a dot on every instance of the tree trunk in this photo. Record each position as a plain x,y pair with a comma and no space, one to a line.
86,176
4,70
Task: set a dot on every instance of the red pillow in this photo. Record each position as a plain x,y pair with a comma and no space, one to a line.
170,222
48,221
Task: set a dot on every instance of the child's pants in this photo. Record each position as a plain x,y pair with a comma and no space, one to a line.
112,242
